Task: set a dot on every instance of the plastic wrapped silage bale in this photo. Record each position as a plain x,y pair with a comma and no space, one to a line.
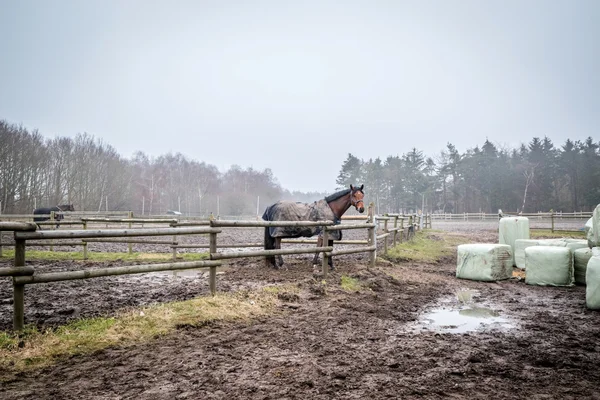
484,262
553,242
589,232
596,227
519,250
575,244
549,266
580,260
592,278
511,229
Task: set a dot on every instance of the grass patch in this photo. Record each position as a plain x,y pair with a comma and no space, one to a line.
547,233
103,256
427,246
33,349
350,284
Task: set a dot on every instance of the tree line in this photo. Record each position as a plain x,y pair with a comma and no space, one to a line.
85,171
537,176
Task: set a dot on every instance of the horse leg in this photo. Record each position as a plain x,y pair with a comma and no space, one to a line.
269,245
330,259
319,244
279,257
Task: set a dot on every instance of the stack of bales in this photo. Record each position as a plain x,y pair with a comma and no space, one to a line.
492,262
549,262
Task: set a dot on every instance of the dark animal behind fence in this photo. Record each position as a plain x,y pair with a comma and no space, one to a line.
45,211
330,208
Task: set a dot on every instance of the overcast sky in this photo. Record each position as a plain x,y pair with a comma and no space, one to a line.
297,85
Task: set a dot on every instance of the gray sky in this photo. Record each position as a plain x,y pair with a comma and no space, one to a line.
297,85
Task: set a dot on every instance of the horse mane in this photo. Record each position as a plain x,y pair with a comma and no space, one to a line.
337,195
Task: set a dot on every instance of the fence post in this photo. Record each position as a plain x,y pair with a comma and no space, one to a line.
552,219
325,262
385,239
1,243
372,238
373,242
129,245
53,228
19,290
395,228
212,279
85,248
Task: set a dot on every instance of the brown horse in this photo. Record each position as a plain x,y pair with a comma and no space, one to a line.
331,208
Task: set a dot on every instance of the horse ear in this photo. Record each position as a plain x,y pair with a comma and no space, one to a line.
361,187
351,187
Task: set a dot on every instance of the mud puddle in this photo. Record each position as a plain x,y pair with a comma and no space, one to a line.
463,314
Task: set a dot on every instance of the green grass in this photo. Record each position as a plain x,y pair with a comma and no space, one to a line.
349,284
34,349
427,246
547,233
102,256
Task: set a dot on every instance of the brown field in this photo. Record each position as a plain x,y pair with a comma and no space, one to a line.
322,342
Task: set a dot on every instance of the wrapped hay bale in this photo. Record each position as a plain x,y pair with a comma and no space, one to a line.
519,250
592,277
484,262
575,244
549,266
553,242
592,228
580,261
589,233
511,229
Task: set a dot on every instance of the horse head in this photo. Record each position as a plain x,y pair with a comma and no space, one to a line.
357,198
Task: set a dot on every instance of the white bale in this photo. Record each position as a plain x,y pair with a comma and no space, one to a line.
549,266
596,227
484,262
580,261
592,277
553,242
519,250
511,229
575,244
589,232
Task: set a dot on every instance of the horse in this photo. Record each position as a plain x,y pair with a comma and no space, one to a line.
331,208
58,215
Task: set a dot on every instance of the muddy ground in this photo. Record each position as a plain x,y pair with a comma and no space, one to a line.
324,344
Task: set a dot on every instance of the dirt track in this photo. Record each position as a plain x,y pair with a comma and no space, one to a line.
326,344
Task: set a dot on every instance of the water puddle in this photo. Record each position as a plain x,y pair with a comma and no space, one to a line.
462,314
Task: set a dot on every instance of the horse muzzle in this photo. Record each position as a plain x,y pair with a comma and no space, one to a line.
360,209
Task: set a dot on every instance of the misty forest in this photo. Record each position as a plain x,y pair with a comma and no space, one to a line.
85,171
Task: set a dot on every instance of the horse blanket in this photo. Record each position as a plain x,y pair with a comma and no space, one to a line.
293,211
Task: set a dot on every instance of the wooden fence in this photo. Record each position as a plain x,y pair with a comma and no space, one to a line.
23,231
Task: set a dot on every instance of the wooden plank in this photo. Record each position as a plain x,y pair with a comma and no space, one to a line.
132,220
353,250
97,233
100,272
249,224
17,226
259,253
16,271
343,227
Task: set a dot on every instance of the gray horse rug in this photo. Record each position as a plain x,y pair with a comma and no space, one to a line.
293,211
